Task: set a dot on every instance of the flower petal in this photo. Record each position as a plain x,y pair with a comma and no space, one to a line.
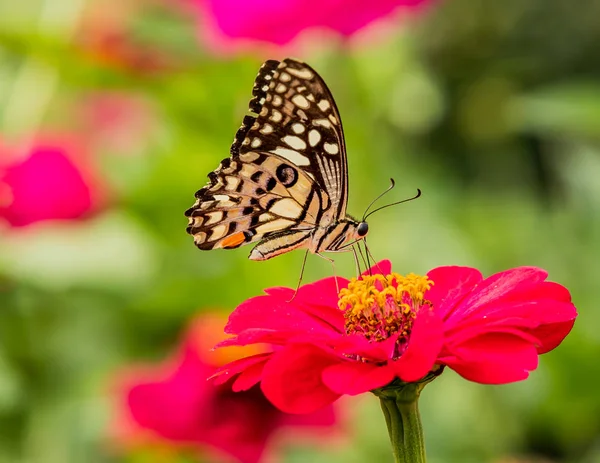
450,285
424,346
292,379
356,344
273,313
353,377
318,299
496,287
249,377
494,358
322,292
226,372
383,267
552,335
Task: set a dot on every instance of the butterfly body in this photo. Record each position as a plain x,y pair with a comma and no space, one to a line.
285,185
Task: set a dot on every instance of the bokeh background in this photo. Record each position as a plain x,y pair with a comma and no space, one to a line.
113,112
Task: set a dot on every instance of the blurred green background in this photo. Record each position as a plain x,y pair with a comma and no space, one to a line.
491,108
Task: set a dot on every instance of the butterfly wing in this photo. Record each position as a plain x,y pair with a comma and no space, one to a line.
287,172
299,120
251,197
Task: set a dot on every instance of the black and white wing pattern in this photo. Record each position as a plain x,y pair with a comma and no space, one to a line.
287,174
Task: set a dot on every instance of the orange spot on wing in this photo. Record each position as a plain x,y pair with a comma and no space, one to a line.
234,240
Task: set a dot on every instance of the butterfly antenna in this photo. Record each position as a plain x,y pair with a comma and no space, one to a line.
392,204
388,189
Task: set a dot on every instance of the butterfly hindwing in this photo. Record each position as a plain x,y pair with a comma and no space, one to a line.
287,174
250,198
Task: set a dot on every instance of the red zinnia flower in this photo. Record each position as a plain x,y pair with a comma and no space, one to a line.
174,406
278,22
386,326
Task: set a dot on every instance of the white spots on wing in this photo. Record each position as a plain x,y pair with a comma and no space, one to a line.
314,137
301,115
266,129
277,100
261,101
322,122
256,142
199,237
280,88
221,197
292,155
232,183
265,217
331,148
276,116
302,73
228,170
214,217
285,77
295,142
273,225
218,232
333,119
300,89
300,101
331,175
217,186
268,77
323,105
264,88
310,97
250,156
287,207
298,128
264,111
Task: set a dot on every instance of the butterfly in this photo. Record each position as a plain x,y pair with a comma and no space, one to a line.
285,185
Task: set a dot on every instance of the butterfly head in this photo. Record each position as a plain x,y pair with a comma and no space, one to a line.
361,230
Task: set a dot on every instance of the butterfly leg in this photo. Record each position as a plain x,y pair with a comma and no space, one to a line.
362,257
356,262
369,254
332,262
301,275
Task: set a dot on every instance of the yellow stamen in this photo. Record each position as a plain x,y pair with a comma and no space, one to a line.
378,306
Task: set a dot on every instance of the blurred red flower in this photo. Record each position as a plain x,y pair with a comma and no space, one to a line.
50,179
174,404
280,21
488,330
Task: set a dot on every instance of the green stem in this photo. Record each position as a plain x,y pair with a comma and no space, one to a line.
401,411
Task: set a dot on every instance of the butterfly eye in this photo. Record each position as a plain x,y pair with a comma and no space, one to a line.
362,229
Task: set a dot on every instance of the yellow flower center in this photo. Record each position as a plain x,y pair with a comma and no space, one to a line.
379,306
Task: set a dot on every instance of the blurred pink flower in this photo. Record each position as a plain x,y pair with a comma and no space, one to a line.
52,179
173,405
280,21
119,121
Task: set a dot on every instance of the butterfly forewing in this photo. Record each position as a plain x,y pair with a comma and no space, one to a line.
287,173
